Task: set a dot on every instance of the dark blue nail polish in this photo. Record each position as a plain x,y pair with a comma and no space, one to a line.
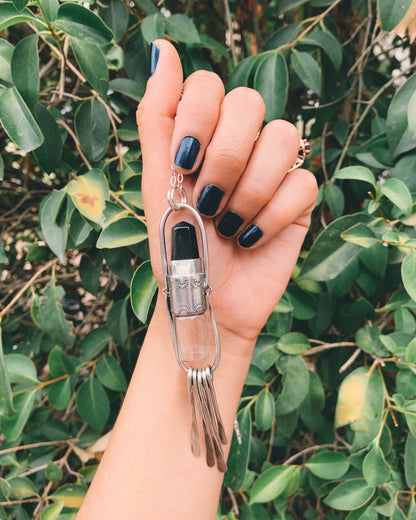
250,236
187,151
209,200
154,57
229,224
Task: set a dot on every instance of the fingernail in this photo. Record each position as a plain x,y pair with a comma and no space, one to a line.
187,152
229,224
250,236
209,200
154,57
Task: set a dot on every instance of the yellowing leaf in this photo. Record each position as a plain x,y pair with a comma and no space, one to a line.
408,23
71,494
350,397
89,193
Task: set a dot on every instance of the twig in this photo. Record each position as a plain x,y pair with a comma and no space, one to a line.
77,143
229,22
26,286
308,450
126,207
350,361
328,346
35,445
233,501
366,110
272,432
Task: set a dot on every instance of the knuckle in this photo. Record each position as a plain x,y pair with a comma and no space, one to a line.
229,160
309,183
253,194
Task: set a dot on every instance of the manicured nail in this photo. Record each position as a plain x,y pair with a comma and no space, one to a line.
229,224
209,200
250,236
154,57
187,151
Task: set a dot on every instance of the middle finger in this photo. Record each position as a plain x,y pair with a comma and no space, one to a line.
241,115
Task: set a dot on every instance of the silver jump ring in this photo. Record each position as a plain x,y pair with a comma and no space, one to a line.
303,152
171,197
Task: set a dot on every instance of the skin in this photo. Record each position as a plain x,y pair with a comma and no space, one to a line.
148,470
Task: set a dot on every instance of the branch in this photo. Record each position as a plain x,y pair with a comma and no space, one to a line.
230,31
26,286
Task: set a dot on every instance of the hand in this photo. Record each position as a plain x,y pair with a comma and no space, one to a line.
243,189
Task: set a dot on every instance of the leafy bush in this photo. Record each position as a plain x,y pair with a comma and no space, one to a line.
328,412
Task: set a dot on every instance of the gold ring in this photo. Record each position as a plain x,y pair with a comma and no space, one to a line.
304,151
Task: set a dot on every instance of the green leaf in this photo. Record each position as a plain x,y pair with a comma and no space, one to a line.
335,199
53,472
330,254
3,256
123,232
411,115
21,488
49,155
308,70
90,59
118,260
265,352
328,43
368,340
18,122
293,343
53,511
25,69
12,426
399,135
361,235
271,483
109,374
92,126
240,75
79,22
53,317
153,27
328,465
59,363
89,193
50,7
20,4
128,87
90,269
282,36
142,289
264,411
6,400
406,383
72,495
182,28
295,383
20,369
6,53
9,15
115,15
392,12
117,321
255,377
397,191
239,453
410,461
59,394
350,494
356,173
92,404
93,343
409,274
272,82
53,223
376,471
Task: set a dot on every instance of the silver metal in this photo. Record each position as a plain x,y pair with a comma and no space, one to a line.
206,286
304,151
187,293
195,444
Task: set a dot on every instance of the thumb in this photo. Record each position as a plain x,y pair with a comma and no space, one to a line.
156,120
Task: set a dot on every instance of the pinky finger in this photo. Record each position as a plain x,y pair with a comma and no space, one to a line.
293,202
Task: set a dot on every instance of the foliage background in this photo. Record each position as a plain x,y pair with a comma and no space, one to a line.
328,413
